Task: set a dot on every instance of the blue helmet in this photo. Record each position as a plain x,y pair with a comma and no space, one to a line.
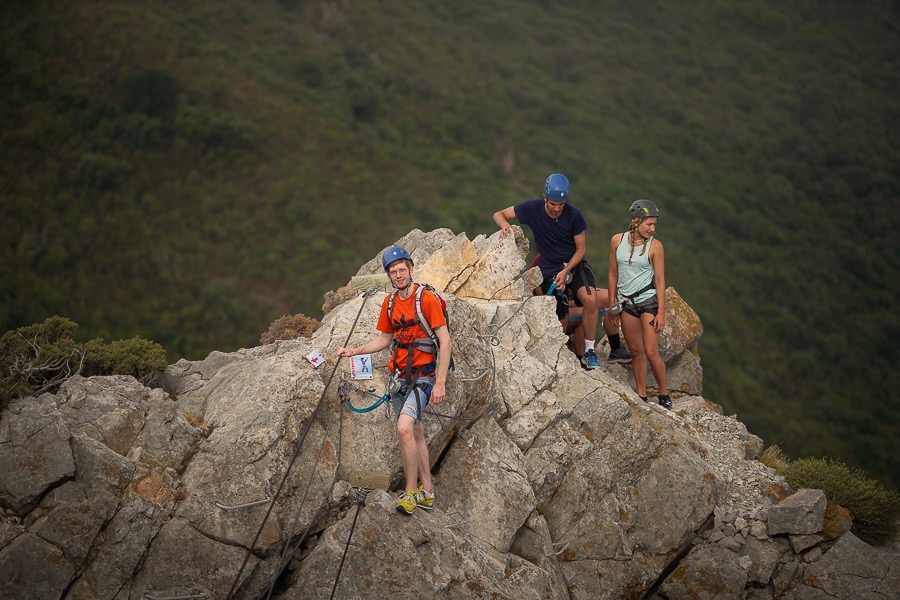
393,254
556,188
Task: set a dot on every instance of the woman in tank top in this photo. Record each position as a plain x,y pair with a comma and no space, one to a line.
638,284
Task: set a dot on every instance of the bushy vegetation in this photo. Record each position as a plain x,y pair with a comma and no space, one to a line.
289,328
212,166
875,510
39,358
142,359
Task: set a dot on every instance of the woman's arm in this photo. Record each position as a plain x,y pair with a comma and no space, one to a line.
658,260
613,279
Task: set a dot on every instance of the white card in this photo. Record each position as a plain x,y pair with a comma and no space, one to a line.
315,358
361,366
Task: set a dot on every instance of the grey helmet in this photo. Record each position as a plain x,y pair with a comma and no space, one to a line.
643,208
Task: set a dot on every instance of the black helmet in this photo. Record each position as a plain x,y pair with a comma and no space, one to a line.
643,208
393,254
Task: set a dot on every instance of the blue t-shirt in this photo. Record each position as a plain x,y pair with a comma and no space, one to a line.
554,238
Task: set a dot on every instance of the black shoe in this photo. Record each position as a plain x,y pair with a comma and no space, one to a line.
644,398
619,355
665,402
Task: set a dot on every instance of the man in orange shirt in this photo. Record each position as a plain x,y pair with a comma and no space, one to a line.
422,378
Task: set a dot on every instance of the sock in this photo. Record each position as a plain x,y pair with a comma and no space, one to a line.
614,342
644,398
588,345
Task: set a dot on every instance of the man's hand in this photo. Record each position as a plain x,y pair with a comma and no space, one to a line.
344,352
438,393
560,281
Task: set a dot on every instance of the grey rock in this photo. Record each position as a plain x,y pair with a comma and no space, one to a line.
35,454
706,573
33,568
802,513
850,569
764,557
803,542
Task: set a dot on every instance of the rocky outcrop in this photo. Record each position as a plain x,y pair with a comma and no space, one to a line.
244,472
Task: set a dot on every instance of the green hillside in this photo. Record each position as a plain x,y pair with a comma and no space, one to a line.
190,172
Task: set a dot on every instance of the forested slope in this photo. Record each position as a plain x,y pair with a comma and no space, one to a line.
191,172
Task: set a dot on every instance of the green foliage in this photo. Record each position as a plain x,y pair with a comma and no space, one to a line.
874,509
40,357
136,357
36,358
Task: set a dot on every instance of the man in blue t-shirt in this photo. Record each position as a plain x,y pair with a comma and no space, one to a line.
559,234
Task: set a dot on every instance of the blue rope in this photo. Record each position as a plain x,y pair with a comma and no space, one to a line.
375,405
344,393
577,318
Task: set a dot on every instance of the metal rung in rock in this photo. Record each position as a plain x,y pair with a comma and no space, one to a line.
180,593
249,504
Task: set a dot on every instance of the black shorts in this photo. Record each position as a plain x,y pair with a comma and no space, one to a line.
647,306
582,276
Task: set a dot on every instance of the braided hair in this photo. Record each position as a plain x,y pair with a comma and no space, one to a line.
633,235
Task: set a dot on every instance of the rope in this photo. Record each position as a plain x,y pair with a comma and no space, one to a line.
345,398
286,551
360,501
297,447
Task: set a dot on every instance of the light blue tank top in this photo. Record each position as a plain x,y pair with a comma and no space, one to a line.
634,276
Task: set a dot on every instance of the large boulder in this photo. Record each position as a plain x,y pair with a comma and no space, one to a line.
246,472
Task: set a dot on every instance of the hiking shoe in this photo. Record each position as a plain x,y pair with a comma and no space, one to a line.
424,499
590,361
619,355
665,402
407,502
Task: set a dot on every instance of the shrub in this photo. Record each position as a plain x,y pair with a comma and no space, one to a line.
40,357
875,510
36,358
289,328
136,357
337,297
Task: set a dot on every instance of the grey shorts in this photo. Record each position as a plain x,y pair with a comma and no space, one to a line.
413,401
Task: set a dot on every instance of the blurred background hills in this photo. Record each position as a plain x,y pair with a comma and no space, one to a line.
190,172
